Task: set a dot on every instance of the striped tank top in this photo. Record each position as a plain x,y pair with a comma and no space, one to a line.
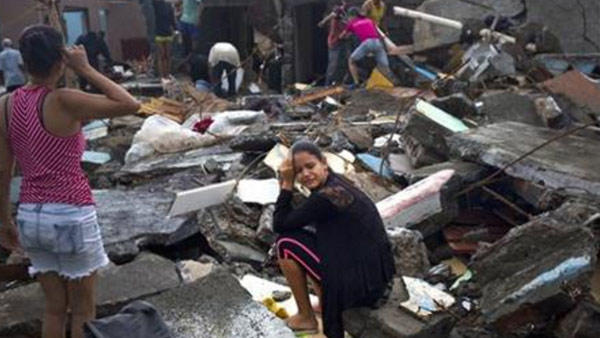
51,165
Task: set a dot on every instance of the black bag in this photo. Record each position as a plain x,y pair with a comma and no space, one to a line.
136,320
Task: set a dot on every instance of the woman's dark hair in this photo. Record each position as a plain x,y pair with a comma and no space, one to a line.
41,47
308,147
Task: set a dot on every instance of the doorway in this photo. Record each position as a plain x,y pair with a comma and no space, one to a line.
76,22
310,42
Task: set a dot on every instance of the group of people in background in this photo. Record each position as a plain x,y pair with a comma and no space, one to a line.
366,24
182,19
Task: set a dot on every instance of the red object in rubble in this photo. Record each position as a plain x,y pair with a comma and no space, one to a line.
203,125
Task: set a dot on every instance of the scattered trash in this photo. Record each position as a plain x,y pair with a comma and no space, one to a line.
424,299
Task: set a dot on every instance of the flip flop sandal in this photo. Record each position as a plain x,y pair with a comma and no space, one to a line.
302,332
305,332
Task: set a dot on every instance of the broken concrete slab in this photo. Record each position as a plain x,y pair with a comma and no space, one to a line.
576,24
137,218
410,252
529,266
231,222
568,164
167,163
509,106
465,172
424,141
425,206
22,308
360,137
362,102
217,306
392,321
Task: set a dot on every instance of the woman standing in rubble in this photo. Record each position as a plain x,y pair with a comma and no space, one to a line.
40,129
349,256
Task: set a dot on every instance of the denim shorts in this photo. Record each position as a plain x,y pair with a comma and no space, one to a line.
374,47
61,238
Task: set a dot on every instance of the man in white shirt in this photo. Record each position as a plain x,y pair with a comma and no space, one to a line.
11,66
224,57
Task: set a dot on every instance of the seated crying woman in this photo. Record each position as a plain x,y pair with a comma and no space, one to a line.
336,239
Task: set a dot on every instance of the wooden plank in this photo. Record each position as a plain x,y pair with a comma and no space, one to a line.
321,94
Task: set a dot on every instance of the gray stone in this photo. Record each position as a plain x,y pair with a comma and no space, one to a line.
392,321
301,112
457,105
550,112
253,142
509,106
167,163
410,252
525,271
360,137
22,308
217,306
424,141
569,164
235,252
132,219
265,233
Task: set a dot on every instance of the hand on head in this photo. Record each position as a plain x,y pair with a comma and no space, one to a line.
76,58
286,171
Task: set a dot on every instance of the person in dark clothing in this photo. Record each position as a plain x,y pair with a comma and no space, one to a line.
104,50
165,27
348,255
94,47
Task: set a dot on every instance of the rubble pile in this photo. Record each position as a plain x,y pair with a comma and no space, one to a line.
486,178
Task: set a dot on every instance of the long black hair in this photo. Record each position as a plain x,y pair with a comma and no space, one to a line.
41,47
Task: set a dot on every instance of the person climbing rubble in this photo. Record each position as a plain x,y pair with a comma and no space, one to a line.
370,44
337,47
224,57
348,256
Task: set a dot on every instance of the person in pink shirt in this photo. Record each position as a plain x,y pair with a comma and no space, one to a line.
370,43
